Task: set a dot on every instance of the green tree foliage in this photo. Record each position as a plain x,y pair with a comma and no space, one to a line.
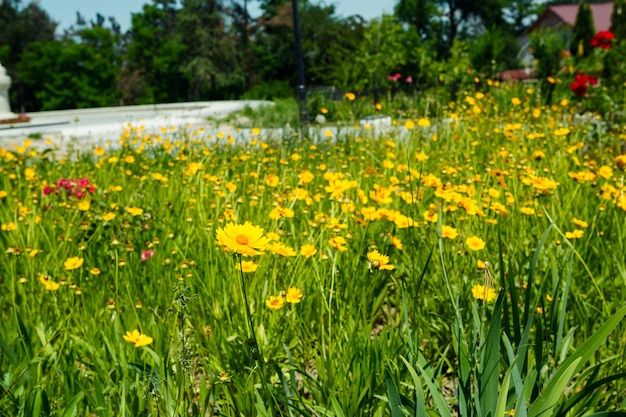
77,72
19,27
214,49
618,20
584,30
213,62
151,72
444,21
383,38
547,47
494,51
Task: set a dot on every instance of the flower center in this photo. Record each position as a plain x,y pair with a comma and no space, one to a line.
242,240
375,264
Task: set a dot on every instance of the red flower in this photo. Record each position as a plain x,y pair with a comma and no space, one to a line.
578,88
581,82
603,39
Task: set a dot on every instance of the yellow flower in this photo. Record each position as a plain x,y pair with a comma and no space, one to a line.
423,122
448,232
397,243
409,124
275,302
350,96
307,250
580,223
272,180
378,261
475,243
137,338
293,296
48,284
192,168
516,101
247,266
576,234
244,239
3,194
338,243
73,263
29,174
8,227
94,271
561,132
84,205
480,292
135,211
108,216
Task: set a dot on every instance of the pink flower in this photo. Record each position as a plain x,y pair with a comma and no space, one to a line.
409,79
147,254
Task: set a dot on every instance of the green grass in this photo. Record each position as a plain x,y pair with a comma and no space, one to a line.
361,341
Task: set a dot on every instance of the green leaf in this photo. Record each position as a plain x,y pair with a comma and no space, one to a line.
490,362
70,409
438,397
549,397
420,403
393,396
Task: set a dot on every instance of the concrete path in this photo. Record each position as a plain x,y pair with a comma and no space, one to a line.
86,127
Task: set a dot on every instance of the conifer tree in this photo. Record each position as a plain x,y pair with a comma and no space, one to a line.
584,30
618,19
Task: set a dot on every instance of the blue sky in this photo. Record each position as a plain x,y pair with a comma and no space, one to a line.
64,11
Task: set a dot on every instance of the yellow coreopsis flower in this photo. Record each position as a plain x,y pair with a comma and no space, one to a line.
475,243
338,243
134,211
423,122
8,227
244,239
137,338
294,295
379,261
481,292
108,216
275,302
48,284
84,205
73,263
247,266
448,232
307,250
576,234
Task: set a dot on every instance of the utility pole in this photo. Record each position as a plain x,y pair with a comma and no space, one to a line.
300,87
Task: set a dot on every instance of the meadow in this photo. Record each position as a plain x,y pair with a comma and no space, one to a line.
470,260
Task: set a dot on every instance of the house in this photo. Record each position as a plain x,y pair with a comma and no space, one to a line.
562,17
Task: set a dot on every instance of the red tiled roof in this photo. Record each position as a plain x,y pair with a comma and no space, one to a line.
567,14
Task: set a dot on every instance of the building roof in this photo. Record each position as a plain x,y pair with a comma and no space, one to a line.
566,14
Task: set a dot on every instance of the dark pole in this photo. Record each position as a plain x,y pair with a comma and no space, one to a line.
300,87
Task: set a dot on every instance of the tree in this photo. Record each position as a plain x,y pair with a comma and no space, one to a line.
151,69
21,26
78,71
443,21
213,62
584,30
618,19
